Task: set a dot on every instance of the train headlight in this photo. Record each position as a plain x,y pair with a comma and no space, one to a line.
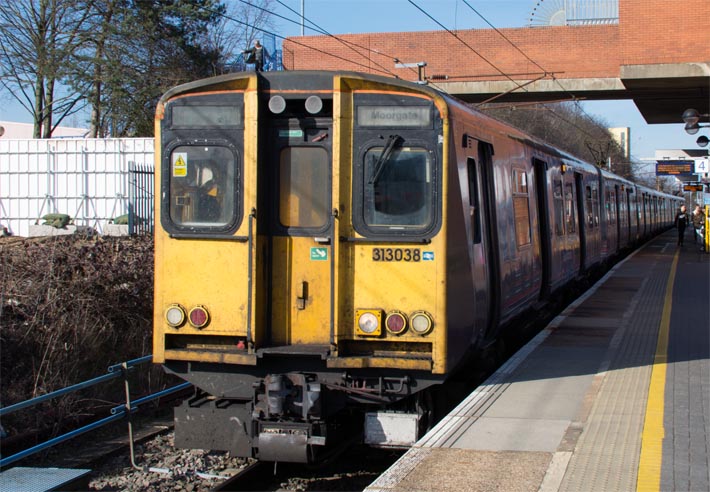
314,104
199,316
369,322
175,315
421,323
396,322
277,104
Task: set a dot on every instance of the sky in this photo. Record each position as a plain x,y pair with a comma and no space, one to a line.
359,16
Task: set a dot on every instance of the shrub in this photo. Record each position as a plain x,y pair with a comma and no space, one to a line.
71,306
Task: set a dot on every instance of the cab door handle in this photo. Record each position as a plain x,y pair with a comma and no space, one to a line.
301,299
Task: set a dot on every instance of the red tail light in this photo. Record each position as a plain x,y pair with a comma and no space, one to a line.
198,317
396,323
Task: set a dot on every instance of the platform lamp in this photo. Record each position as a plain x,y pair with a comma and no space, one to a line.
691,117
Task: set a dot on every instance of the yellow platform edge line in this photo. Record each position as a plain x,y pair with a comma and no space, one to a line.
649,472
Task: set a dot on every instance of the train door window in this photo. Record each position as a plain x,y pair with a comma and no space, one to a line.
559,208
202,186
569,209
398,186
589,206
473,199
612,206
304,191
595,205
521,208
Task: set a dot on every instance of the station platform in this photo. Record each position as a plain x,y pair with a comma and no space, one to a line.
613,395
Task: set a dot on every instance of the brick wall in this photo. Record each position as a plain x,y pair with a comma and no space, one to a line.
664,31
649,31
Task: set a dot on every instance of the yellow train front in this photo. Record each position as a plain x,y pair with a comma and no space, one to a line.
301,265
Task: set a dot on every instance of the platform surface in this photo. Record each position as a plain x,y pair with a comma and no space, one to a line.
613,395
28,479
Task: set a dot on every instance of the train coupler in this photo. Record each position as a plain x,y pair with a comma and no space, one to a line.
288,442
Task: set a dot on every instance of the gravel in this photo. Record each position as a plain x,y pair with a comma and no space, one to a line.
184,470
165,468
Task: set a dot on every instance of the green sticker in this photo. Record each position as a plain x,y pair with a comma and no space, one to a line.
319,254
291,133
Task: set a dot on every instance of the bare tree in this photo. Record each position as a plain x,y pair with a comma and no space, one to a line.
242,23
567,127
38,40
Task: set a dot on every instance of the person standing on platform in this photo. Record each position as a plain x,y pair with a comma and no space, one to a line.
681,221
256,55
698,220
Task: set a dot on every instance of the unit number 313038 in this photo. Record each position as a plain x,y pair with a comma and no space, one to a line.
396,254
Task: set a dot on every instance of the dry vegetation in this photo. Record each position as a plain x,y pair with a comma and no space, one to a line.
71,306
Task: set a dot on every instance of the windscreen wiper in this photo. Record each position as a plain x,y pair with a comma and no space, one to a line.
392,142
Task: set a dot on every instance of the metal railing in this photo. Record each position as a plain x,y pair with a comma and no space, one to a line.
117,413
140,199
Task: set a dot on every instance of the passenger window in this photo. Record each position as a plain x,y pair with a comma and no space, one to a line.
589,206
559,208
304,189
202,186
595,205
521,207
569,209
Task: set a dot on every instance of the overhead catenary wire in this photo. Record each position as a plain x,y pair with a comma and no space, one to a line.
381,69
496,67
349,44
555,79
228,17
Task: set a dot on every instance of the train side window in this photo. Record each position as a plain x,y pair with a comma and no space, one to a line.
569,209
609,208
595,205
304,189
589,205
521,208
559,208
473,201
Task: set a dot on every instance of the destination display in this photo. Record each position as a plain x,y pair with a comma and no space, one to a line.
206,116
693,188
672,168
387,116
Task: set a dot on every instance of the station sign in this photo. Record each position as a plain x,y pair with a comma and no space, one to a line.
693,188
675,167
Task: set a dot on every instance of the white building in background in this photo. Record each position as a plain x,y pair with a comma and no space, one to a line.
622,136
10,130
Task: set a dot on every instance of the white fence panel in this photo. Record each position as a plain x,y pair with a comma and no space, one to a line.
87,179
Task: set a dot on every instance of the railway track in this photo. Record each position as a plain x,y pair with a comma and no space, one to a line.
163,467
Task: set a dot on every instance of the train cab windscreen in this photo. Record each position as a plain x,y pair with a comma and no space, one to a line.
202,186
398,191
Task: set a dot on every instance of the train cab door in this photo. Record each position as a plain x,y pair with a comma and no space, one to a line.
542,185
484,235
300,252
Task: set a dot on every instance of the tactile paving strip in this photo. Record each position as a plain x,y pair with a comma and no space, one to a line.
607,453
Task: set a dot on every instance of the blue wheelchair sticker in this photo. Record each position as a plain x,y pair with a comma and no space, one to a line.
427,256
